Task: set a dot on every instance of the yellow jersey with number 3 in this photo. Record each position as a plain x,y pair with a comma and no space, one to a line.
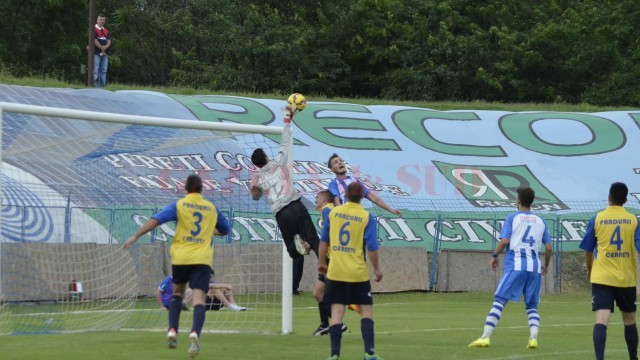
196,218
614,233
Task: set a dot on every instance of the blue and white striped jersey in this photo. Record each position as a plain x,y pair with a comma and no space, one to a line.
526,232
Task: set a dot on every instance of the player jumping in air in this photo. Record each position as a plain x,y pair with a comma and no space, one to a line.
338,186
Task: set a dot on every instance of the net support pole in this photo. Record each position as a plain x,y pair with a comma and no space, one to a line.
287,292
287,266
1,197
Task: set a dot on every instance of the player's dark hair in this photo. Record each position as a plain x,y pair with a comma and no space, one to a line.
331,158
526,196
327,195
618,193
193,184
259,158
355,192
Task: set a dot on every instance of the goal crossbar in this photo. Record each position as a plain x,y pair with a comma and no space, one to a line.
137,119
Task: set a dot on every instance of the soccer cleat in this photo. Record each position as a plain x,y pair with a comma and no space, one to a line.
533,344
172,341
300,245
234,307
321,330
480,343
372,357
334,357
344,327
194,344
354,307
185,307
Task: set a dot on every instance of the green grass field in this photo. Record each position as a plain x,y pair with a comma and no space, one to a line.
408,326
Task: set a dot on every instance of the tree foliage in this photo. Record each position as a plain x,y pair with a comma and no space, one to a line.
498,50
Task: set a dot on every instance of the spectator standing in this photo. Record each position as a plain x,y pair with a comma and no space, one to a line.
101,57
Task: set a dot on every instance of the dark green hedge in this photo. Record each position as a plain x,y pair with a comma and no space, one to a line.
496,50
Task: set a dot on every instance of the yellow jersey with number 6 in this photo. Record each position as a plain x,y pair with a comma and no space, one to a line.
350,231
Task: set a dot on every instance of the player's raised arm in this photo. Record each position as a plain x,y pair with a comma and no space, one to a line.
381,203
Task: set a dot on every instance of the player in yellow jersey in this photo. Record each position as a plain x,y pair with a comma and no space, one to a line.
197,220
349,233
324,203
614,232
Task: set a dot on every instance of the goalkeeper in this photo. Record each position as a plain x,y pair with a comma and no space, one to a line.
273,180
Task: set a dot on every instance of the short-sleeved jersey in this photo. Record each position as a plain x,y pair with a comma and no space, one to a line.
274,180
196,218
348,229
614,231
324,215
338,187
166,289
526,233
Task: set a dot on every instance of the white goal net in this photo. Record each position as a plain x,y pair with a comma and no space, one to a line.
76,184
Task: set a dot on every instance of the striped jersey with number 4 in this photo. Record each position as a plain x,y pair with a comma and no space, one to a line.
526,233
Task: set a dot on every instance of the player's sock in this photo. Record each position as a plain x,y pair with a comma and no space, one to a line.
493,318
335,333
366,327
175,306
198,318
325,312
599,340
631,337
534,323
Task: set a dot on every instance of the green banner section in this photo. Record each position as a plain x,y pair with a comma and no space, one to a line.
428,230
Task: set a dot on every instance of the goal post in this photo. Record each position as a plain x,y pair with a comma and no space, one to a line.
65,224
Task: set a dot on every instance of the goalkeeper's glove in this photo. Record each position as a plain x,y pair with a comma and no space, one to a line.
288,113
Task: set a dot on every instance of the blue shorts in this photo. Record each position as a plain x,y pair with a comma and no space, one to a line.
340,292
603,296
517,283
196,275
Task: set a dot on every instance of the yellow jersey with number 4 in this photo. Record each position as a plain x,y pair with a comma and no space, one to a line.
614,234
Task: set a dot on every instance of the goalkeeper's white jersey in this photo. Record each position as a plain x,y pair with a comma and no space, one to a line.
274,179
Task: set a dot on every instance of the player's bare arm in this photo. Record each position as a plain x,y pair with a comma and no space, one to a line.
373,257
547,258
336,201
376,200
588,260
146,227
322,262
493,263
